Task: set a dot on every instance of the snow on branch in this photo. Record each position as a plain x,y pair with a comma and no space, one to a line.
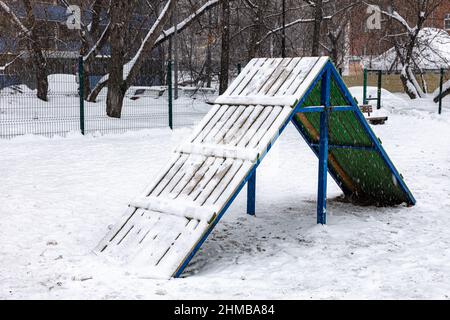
3,68
166,34
99,44
7,10
186,22
150,38
289,25
396,16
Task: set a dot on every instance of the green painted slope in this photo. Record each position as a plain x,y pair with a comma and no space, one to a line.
362,174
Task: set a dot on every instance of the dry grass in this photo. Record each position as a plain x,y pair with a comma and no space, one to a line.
392,82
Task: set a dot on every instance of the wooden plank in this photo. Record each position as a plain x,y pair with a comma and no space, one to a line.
192,163
264,127
111,235
275,76
223,184
246,125
243,75
273,131
278,100
129,247
311,76
221,134
285,76
183,245
237,125
308,66
255,127
346,179
126,234
204,122
261,77
198,189
189,174
168,177
219,125
161,176
248,78
233,185
216,118
177,251
219,151
215,180
301,65
187,190
165,240
159,239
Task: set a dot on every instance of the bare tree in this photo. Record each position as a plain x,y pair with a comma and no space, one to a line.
155,37
405,42
27,29
225,50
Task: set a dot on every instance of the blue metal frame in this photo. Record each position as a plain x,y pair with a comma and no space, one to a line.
251,195
323,149
322,109
331,73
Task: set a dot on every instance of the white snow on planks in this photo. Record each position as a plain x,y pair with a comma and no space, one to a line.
164,224
272,82
195,186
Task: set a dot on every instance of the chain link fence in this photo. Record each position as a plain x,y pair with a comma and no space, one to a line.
146,104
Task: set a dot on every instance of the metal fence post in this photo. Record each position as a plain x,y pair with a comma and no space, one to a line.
365,87
380,75
441,88
81,92
170,93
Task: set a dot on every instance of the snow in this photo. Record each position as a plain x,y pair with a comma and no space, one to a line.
389,101
432,52
219,151
59,195
176,207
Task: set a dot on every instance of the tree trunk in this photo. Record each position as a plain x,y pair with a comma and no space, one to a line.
116,88
89,39
40,70
209,53
155,39
334,43
39,62
225,50
256,30
318,17
410,84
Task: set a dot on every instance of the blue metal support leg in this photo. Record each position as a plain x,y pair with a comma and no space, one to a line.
323,170
323,149
251,195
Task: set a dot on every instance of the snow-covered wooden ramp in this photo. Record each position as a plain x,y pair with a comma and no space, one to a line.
164,227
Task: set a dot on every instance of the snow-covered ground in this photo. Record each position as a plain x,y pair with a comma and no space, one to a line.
60,195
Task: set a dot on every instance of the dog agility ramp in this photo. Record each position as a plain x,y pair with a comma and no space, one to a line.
164,227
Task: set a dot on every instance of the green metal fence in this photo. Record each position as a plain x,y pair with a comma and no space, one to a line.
146,105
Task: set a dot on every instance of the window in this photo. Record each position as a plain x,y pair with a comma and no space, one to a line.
447,21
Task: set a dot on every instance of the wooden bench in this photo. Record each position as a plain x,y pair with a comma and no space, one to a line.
372,120
153,92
